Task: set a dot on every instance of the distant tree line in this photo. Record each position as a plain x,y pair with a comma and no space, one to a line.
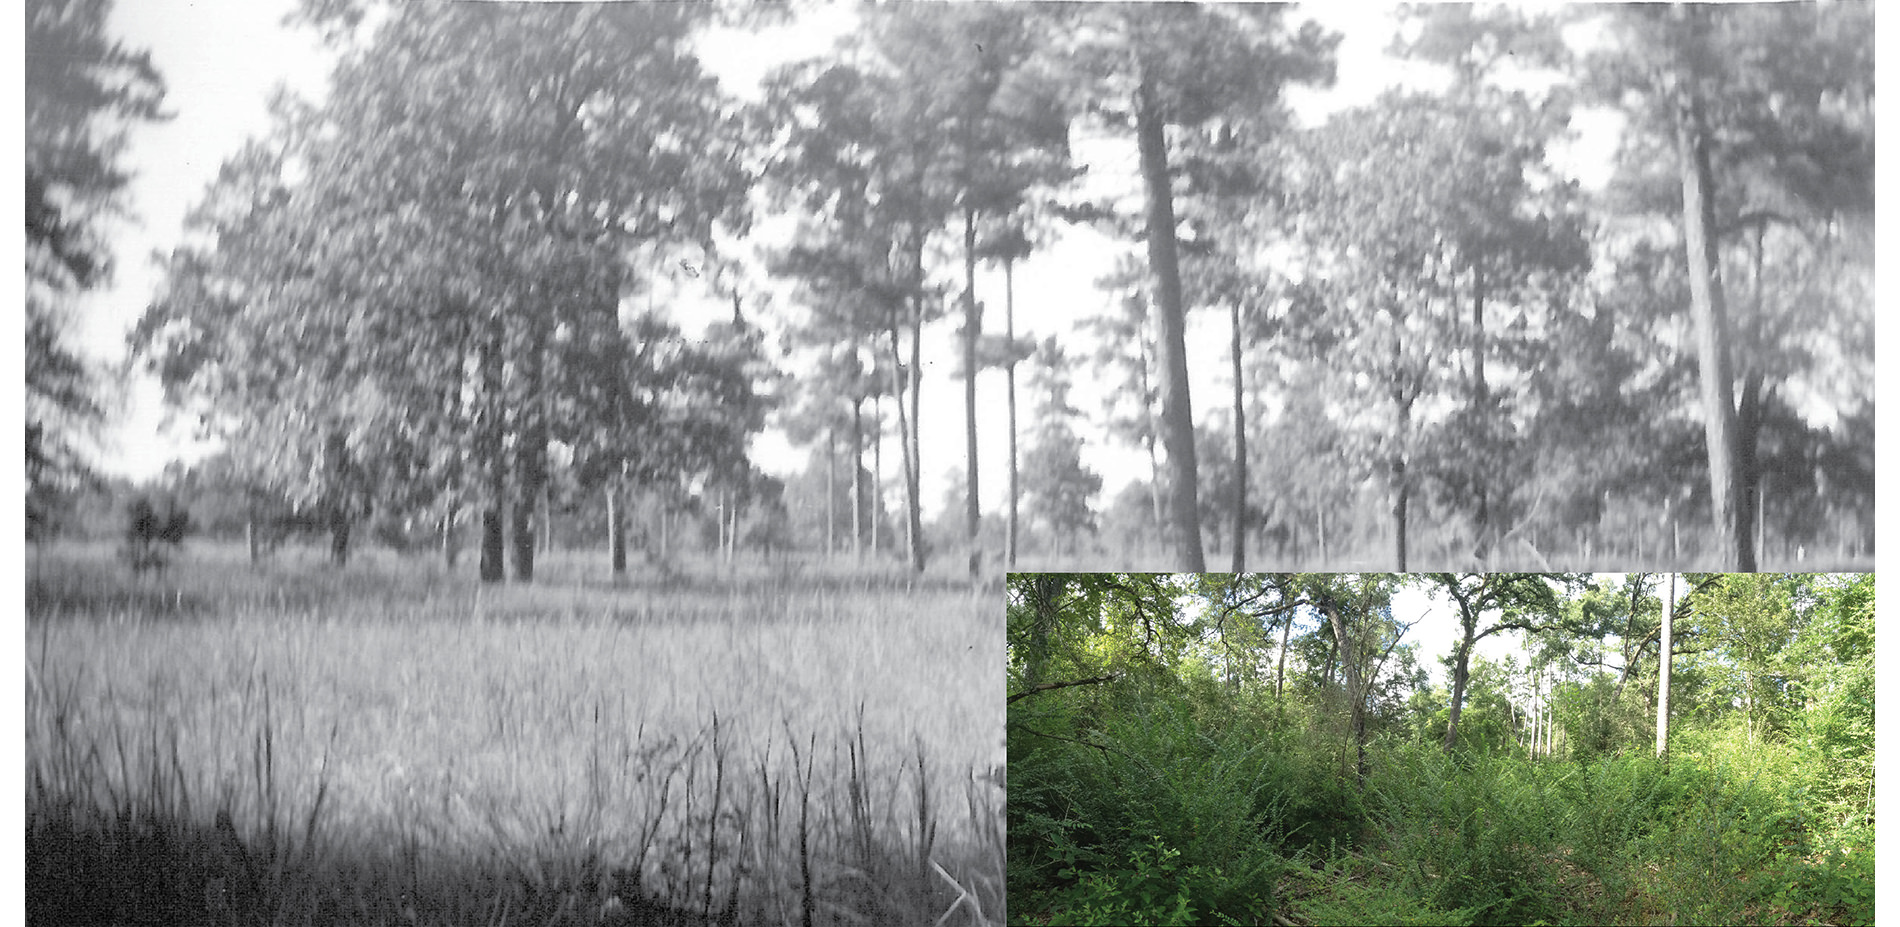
435,296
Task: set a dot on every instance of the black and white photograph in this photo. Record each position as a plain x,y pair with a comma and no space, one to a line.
572,462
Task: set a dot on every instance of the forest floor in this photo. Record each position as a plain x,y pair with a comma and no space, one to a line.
390,743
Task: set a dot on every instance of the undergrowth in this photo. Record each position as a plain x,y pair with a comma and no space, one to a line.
1144,816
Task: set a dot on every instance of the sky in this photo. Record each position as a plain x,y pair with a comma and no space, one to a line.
222,59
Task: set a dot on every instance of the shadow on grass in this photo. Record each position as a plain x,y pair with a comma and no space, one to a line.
121,840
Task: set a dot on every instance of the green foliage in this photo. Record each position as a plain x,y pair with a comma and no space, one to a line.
1479,729
1470,831
1337,894
1834,736
1187,788
1836,883
1165,824
1154,888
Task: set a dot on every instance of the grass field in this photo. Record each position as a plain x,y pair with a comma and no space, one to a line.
391,744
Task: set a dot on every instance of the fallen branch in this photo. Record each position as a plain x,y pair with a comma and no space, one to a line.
1047,686
964,896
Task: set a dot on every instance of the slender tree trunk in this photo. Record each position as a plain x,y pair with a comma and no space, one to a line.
1481,402
336,451
972,327
1537,709
666,538
1711,321
1668,657
450,551
1157,482
253,544
491,454
1177,415
1320,519
1355,681
905,427
1240,453
616,529
547,518
732,526
1150,441
1401,497
857,477
1748,475
339,534
877,474
831,489
1009,380
531,455
1460,677
1279,678
915,500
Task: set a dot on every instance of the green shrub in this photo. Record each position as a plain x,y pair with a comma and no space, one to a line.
1470,832
1096,832
1337,895
1154,887
1304,805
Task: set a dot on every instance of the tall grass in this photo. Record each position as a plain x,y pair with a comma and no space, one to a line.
389,744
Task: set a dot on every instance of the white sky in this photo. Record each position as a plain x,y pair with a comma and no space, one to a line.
221,59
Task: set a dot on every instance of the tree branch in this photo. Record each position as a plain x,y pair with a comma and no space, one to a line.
1047,686
1074,740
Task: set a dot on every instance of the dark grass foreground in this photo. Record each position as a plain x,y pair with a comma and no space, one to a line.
138,814
769,844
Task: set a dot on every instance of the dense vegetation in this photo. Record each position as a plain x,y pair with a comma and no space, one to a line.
1246,749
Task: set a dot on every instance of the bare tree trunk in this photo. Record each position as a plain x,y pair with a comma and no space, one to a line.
972,326
1177,414
1668,664
531,455
1711,319
336,452
916,511
904,428
252,543
1324,557
616,529
857,477
339,534
1460,678
1401,504
1355,680
547,518
1537,708
1279,679
831,489
1240,453
1481,402
450,551
489,440
877,474
1009,379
